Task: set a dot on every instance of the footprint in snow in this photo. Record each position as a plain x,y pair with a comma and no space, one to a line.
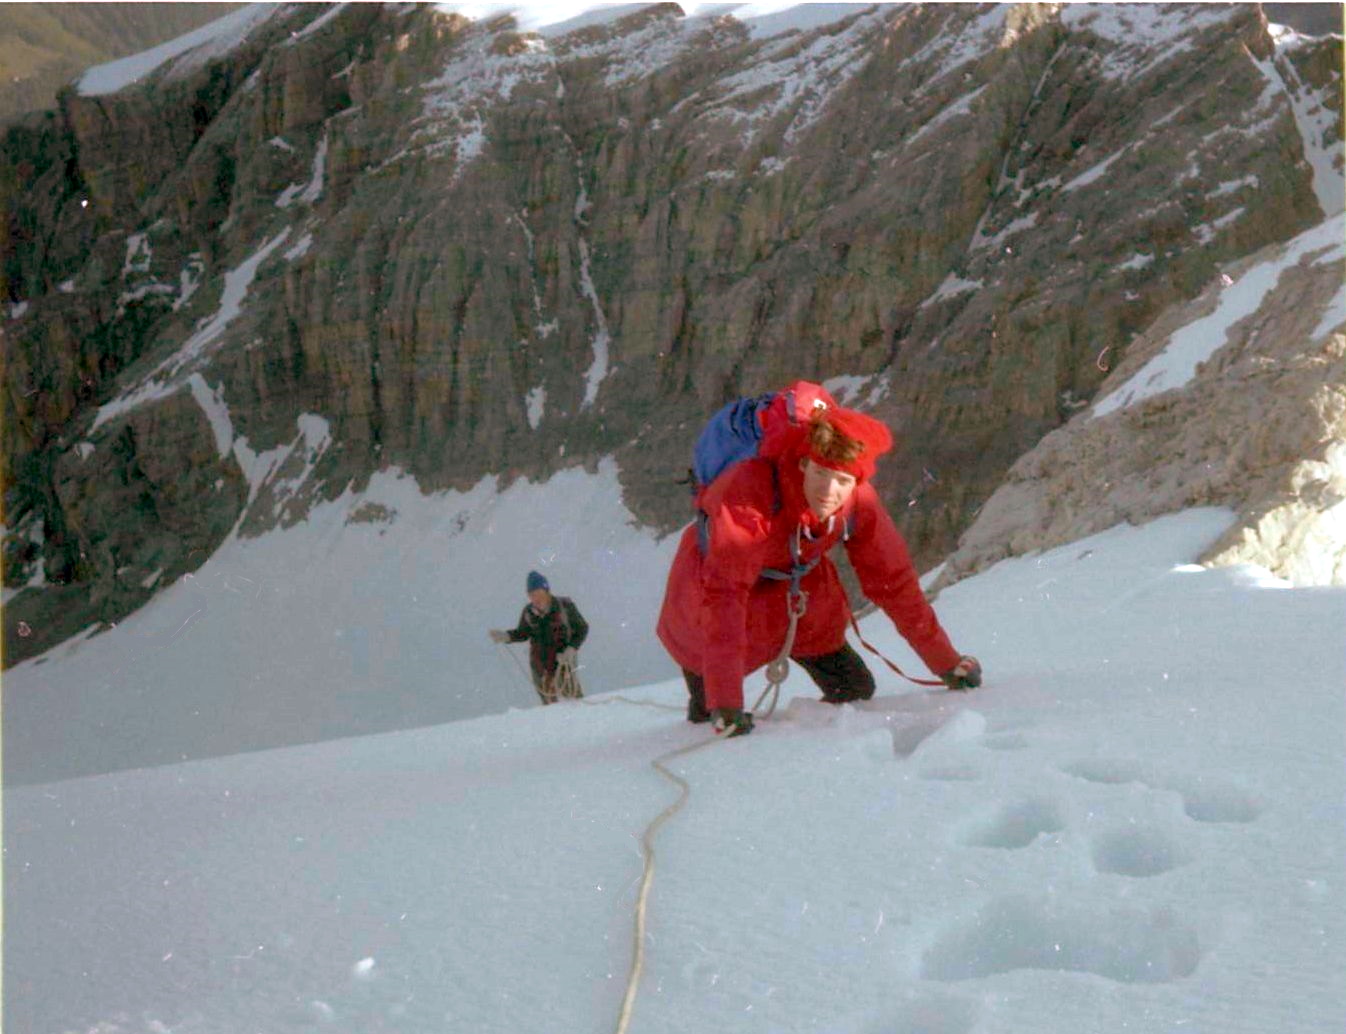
1204,798
1210,800
1016,825
1127,945
1139,851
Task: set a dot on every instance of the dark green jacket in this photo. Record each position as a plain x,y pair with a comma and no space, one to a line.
549,633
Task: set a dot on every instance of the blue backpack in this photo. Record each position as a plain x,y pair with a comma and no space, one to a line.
748,427
733,434
753,426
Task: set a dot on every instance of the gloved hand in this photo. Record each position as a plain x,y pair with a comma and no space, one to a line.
966,674
568,658
731,721
499,635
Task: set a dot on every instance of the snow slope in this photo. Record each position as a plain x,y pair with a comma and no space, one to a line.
368,616
1136,825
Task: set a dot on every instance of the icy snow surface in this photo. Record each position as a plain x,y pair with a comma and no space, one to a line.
209,41
1136,824
1198,341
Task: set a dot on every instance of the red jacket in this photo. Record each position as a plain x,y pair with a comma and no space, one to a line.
722,620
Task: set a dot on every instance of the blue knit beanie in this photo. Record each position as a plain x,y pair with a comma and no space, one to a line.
536,581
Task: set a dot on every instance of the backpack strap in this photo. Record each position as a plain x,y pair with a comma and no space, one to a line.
561,602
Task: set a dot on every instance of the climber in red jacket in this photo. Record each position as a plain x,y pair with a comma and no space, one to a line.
765,519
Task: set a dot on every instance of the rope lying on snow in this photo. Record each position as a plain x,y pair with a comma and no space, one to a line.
647,878
647,849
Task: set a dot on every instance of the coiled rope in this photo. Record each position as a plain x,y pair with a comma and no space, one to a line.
565,683
797,603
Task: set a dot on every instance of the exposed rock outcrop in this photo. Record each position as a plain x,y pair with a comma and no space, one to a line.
1260,428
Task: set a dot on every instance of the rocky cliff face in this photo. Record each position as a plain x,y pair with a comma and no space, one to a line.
470,248
1237,399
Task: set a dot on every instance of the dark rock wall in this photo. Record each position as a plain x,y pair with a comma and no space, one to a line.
492,204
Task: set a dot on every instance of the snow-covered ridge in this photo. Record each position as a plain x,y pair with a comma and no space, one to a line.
789,78
1317,123
1143,35
783,76
187,52
1235,398
554,20
1176,364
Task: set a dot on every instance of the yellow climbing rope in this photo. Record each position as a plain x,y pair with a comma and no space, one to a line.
647,878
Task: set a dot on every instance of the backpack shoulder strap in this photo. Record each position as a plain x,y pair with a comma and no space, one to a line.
563,604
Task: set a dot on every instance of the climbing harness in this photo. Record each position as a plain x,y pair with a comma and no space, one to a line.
796,605
776,673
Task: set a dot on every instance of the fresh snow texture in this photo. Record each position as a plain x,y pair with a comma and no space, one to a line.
200,45
1199,340
1136,824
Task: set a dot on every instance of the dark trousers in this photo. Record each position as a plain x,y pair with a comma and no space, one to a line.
557,685
842,676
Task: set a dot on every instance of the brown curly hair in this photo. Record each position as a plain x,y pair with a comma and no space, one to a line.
830,445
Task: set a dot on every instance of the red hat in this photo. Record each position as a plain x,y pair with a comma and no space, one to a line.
860,427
